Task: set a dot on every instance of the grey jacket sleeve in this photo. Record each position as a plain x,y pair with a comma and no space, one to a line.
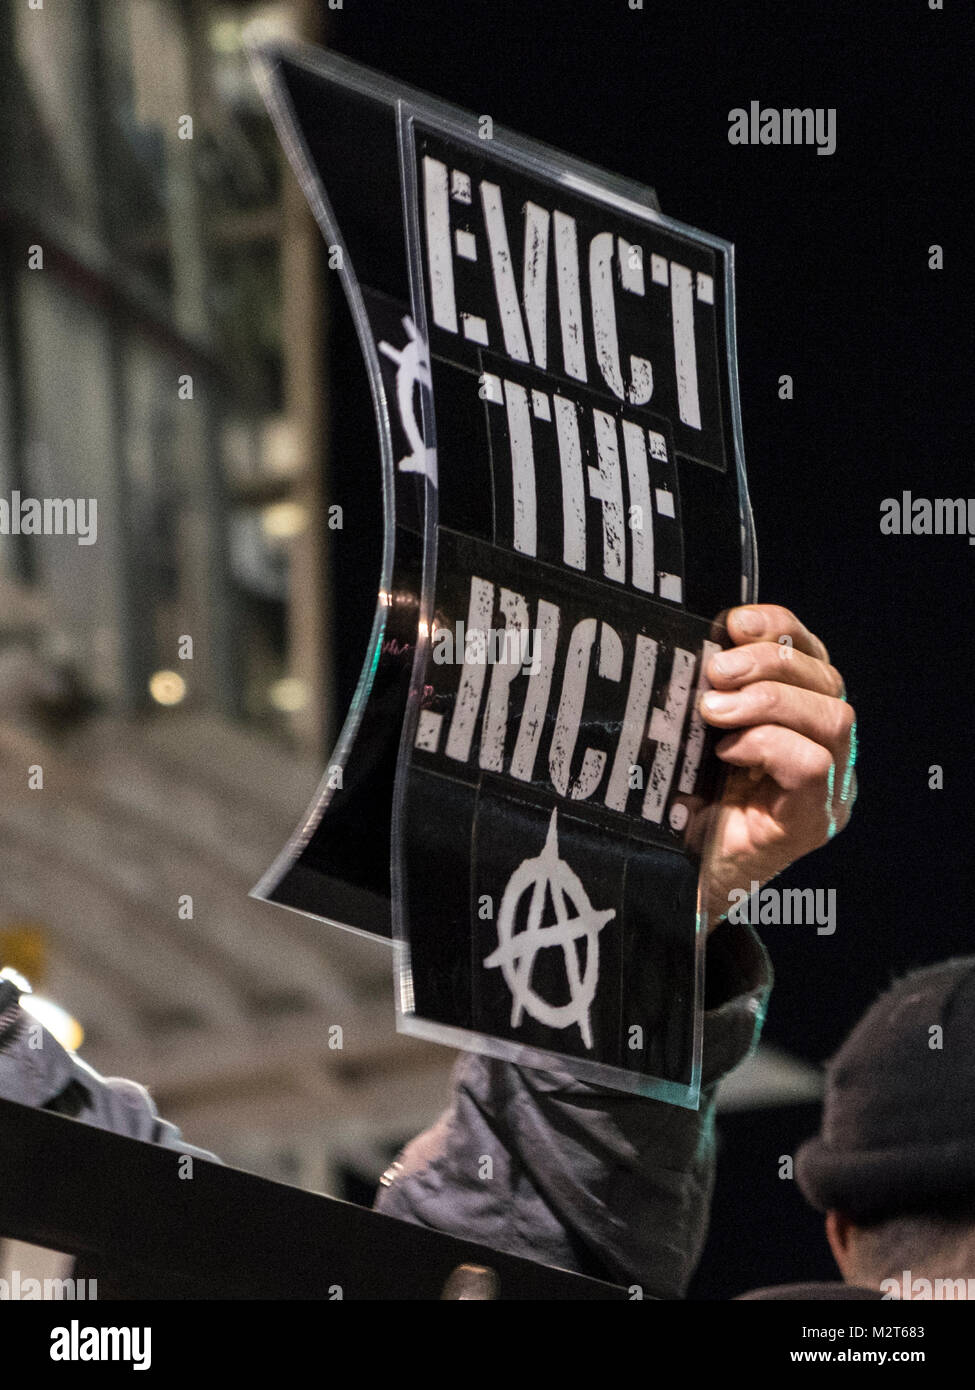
36,1070
602,1182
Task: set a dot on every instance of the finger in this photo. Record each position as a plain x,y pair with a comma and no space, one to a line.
768,621
822,718
775,661
798,766
795,762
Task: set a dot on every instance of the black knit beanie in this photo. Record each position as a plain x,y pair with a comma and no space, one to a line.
898,1128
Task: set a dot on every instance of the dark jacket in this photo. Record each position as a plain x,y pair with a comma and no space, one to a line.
601,1182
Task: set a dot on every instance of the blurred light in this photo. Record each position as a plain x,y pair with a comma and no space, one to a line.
226,36
289,694
281,451
58,1022
14,976
23,945
282,520
167,688
270,22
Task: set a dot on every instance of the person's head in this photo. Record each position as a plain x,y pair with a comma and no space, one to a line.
893,1166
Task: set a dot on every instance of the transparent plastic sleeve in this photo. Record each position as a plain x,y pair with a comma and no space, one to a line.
552,369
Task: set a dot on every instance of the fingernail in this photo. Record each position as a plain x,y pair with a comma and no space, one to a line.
749,621
716,703
733,663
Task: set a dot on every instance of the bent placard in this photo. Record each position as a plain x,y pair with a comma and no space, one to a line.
552,366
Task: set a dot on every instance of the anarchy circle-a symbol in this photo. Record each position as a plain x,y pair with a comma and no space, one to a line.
412,369
547,874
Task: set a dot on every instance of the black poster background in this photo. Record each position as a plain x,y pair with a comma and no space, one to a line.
338,865
471,826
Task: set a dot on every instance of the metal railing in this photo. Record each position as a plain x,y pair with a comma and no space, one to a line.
148,1223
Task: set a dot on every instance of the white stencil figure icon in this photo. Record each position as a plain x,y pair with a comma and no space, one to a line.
547,875
412,369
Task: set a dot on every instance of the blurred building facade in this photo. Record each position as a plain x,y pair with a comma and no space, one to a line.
162,351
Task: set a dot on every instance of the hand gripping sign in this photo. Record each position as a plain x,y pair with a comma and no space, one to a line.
525,783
